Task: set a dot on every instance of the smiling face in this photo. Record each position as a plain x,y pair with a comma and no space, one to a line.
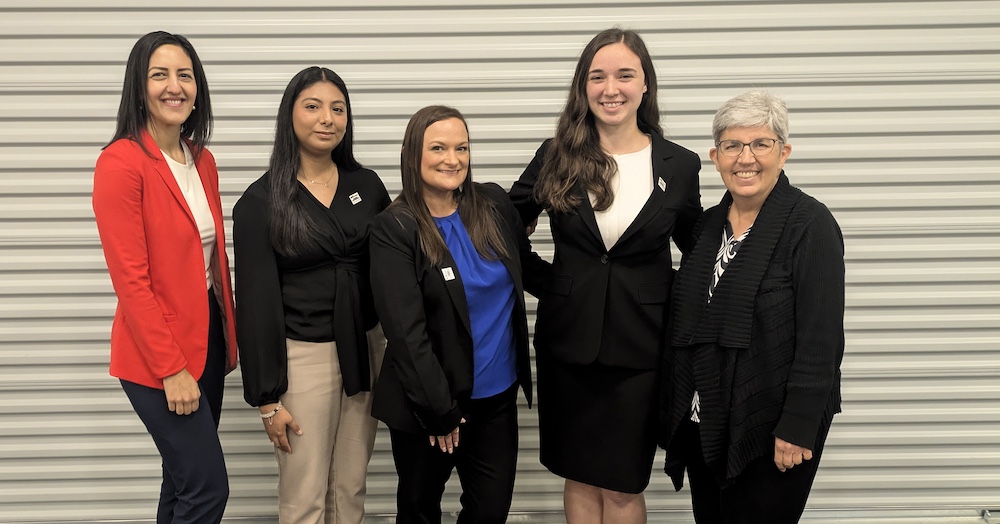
170,88
319,118
750,178
444,162
615,84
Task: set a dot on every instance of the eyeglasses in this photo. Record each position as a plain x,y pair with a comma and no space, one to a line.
760,146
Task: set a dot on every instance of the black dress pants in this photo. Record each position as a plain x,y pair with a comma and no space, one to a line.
760,494
486,460
195,485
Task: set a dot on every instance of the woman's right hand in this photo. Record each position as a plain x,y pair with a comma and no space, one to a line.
278,425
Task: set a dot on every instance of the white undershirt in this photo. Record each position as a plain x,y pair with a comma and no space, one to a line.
187,178
631,184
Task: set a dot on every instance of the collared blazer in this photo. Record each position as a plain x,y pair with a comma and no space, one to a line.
428,368
154,254
610,305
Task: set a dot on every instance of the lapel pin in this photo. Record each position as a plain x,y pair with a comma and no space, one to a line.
355,198
661,183
448,273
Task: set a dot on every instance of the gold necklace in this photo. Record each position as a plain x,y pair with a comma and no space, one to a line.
324,184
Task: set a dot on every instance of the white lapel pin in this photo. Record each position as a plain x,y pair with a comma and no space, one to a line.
448,273
355,198
661,183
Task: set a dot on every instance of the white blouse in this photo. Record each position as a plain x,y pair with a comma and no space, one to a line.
187,178
631,184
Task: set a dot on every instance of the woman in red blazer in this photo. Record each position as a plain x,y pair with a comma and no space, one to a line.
156,200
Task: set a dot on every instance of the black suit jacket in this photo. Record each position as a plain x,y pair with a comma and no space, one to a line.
427,373
610,305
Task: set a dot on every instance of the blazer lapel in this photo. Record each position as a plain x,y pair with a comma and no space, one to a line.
206,171
660,158
586,212
167,175
448,272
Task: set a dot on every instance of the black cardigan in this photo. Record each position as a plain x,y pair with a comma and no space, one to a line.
765,354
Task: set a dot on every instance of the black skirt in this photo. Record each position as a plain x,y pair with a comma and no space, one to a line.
597,423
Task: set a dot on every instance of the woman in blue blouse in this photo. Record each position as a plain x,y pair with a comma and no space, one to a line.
446,275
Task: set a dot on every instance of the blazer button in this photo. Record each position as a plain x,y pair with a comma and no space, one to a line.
604,259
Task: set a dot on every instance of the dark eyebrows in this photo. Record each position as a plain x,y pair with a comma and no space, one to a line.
162,68
318,101
622,70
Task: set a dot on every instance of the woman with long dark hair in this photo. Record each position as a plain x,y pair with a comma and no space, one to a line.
616,192
156,200
446,272
306,317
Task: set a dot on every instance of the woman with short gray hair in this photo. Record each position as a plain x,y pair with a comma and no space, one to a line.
757,339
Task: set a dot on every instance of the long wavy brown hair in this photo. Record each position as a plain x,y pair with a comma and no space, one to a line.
478,213
574,156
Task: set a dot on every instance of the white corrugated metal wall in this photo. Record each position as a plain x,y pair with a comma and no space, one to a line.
895,126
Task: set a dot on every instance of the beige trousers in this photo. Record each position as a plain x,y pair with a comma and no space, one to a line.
323,480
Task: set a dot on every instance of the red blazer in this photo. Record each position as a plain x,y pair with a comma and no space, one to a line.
154,254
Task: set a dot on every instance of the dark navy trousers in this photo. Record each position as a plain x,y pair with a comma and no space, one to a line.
195,484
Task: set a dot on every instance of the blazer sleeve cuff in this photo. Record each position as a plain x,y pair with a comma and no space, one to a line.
440,425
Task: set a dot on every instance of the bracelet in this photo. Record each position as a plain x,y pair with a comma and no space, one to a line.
269,416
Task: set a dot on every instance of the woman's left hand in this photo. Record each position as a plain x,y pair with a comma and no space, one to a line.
182,392
788,455
448,442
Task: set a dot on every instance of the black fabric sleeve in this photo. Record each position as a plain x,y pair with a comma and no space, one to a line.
690,211
535,269
260,319
818,281
522,192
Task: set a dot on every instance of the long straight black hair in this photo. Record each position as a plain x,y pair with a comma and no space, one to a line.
290,226
478,213
133,114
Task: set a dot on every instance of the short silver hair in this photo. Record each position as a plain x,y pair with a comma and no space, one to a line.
755,108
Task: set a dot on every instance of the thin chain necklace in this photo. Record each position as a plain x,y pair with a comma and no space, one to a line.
324,184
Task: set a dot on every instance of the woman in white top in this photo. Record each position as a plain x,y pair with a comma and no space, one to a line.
156,200
616,192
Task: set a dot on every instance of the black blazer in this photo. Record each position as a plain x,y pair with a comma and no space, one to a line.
607,305
428,369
